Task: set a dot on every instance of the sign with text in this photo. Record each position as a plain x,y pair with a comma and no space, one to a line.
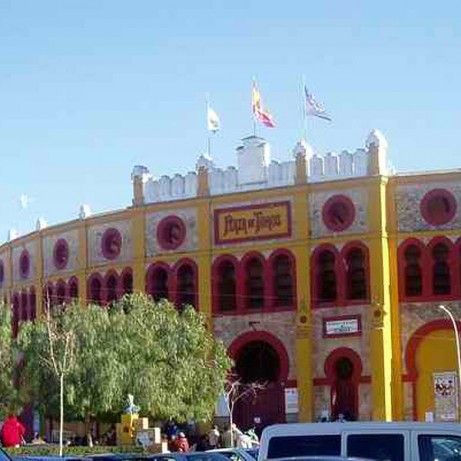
291,400
445,396
253,222
341,326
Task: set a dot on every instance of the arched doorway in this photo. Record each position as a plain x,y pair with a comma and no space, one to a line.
343,369
260,358
426,364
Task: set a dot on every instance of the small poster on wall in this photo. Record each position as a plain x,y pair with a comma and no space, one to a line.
445,396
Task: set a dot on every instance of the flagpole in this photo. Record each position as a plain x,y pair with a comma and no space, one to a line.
303,108
252,110
208,130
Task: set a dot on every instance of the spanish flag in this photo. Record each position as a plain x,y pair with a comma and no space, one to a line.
261,114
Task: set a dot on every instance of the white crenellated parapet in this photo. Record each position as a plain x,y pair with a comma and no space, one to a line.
166,188
281,173
256,170
331,166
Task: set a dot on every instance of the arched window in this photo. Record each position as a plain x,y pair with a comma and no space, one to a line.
60,293
254,280
157,283
283,281
326,276
48,296
186,288
413,271
32,304
15,315
227,287
356,275
95,290
441,284
23,315
111,288
127,282
73,289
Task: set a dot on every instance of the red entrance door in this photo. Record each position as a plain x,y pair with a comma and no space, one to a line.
258,362
263,409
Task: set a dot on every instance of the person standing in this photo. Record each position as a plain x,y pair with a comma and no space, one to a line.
213,438
182,444
12,432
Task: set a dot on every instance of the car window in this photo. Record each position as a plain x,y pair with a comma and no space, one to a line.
304,445
232,456
380,447
439,448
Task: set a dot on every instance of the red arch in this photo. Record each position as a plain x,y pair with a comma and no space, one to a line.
48,298
151,272
454,268
72,282
215,281
175,281
314,275
402,265
250,336
95,276
343,352
32,304
416,339
126,272
105,295
410,352
270,275
243,276
60,285
350,246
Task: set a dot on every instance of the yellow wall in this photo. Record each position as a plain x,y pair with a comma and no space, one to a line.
436,353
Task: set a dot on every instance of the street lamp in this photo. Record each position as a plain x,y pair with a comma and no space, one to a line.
458,355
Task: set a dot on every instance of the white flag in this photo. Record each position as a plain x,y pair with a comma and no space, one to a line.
213,122
314,107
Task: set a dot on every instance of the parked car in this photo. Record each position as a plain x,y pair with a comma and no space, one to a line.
399,441
192,456
234,454
116,457
252,452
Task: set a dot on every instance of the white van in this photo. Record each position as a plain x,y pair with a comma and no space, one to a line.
403,441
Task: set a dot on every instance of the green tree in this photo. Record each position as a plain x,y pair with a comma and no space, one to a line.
165,358
9,397
174,366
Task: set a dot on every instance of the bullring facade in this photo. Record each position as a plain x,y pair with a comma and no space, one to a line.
322,275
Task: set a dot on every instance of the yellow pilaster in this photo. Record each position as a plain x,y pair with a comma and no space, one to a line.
139,249
204,223
39,274
380,315
303,320
82,262
397,385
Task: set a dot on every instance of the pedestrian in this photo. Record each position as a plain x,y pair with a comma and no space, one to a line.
12,432
182,444
226,437
213,438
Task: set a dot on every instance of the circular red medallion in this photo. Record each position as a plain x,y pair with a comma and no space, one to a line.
24,264
438,206
171,232
338,213
111,243
61,254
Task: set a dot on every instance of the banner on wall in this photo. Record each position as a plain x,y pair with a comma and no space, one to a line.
445,396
